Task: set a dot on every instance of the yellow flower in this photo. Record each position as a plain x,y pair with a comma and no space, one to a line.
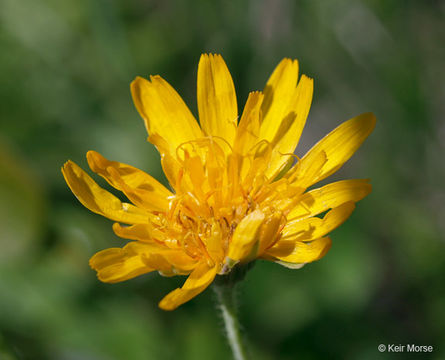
236,195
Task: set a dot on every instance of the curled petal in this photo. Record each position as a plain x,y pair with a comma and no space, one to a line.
118,264
136,258
98,200
340,144
302,252
269,231
245,236
196,283
314,227
141,232
329,196
141,188
170,263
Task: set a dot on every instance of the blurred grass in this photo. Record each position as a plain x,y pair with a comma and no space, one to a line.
65,74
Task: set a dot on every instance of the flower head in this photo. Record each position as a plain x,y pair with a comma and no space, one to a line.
236,194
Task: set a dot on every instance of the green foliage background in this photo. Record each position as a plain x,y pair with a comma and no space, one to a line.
65,69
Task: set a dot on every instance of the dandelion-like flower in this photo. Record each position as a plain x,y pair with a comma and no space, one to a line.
238,193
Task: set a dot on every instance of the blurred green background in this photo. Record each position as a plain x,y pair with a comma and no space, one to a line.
65,70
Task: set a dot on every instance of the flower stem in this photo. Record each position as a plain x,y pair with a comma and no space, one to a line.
226,303
224,287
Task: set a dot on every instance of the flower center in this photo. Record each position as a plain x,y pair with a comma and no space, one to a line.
215,191
201,229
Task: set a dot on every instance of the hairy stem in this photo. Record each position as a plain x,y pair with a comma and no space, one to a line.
226,303
224,286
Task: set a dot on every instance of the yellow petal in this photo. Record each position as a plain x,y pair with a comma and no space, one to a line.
278,94
340,144
288,134
269,231
217,107
98,200
329,196
141,232
196,172
300,180
214,243
245,236
248,130
116,264
313,228
304,173
303,252
136,258
164,112
169,161
258,162
142,189
170,262
247,136
197,282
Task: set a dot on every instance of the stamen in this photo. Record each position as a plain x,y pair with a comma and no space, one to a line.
290,154
224,140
